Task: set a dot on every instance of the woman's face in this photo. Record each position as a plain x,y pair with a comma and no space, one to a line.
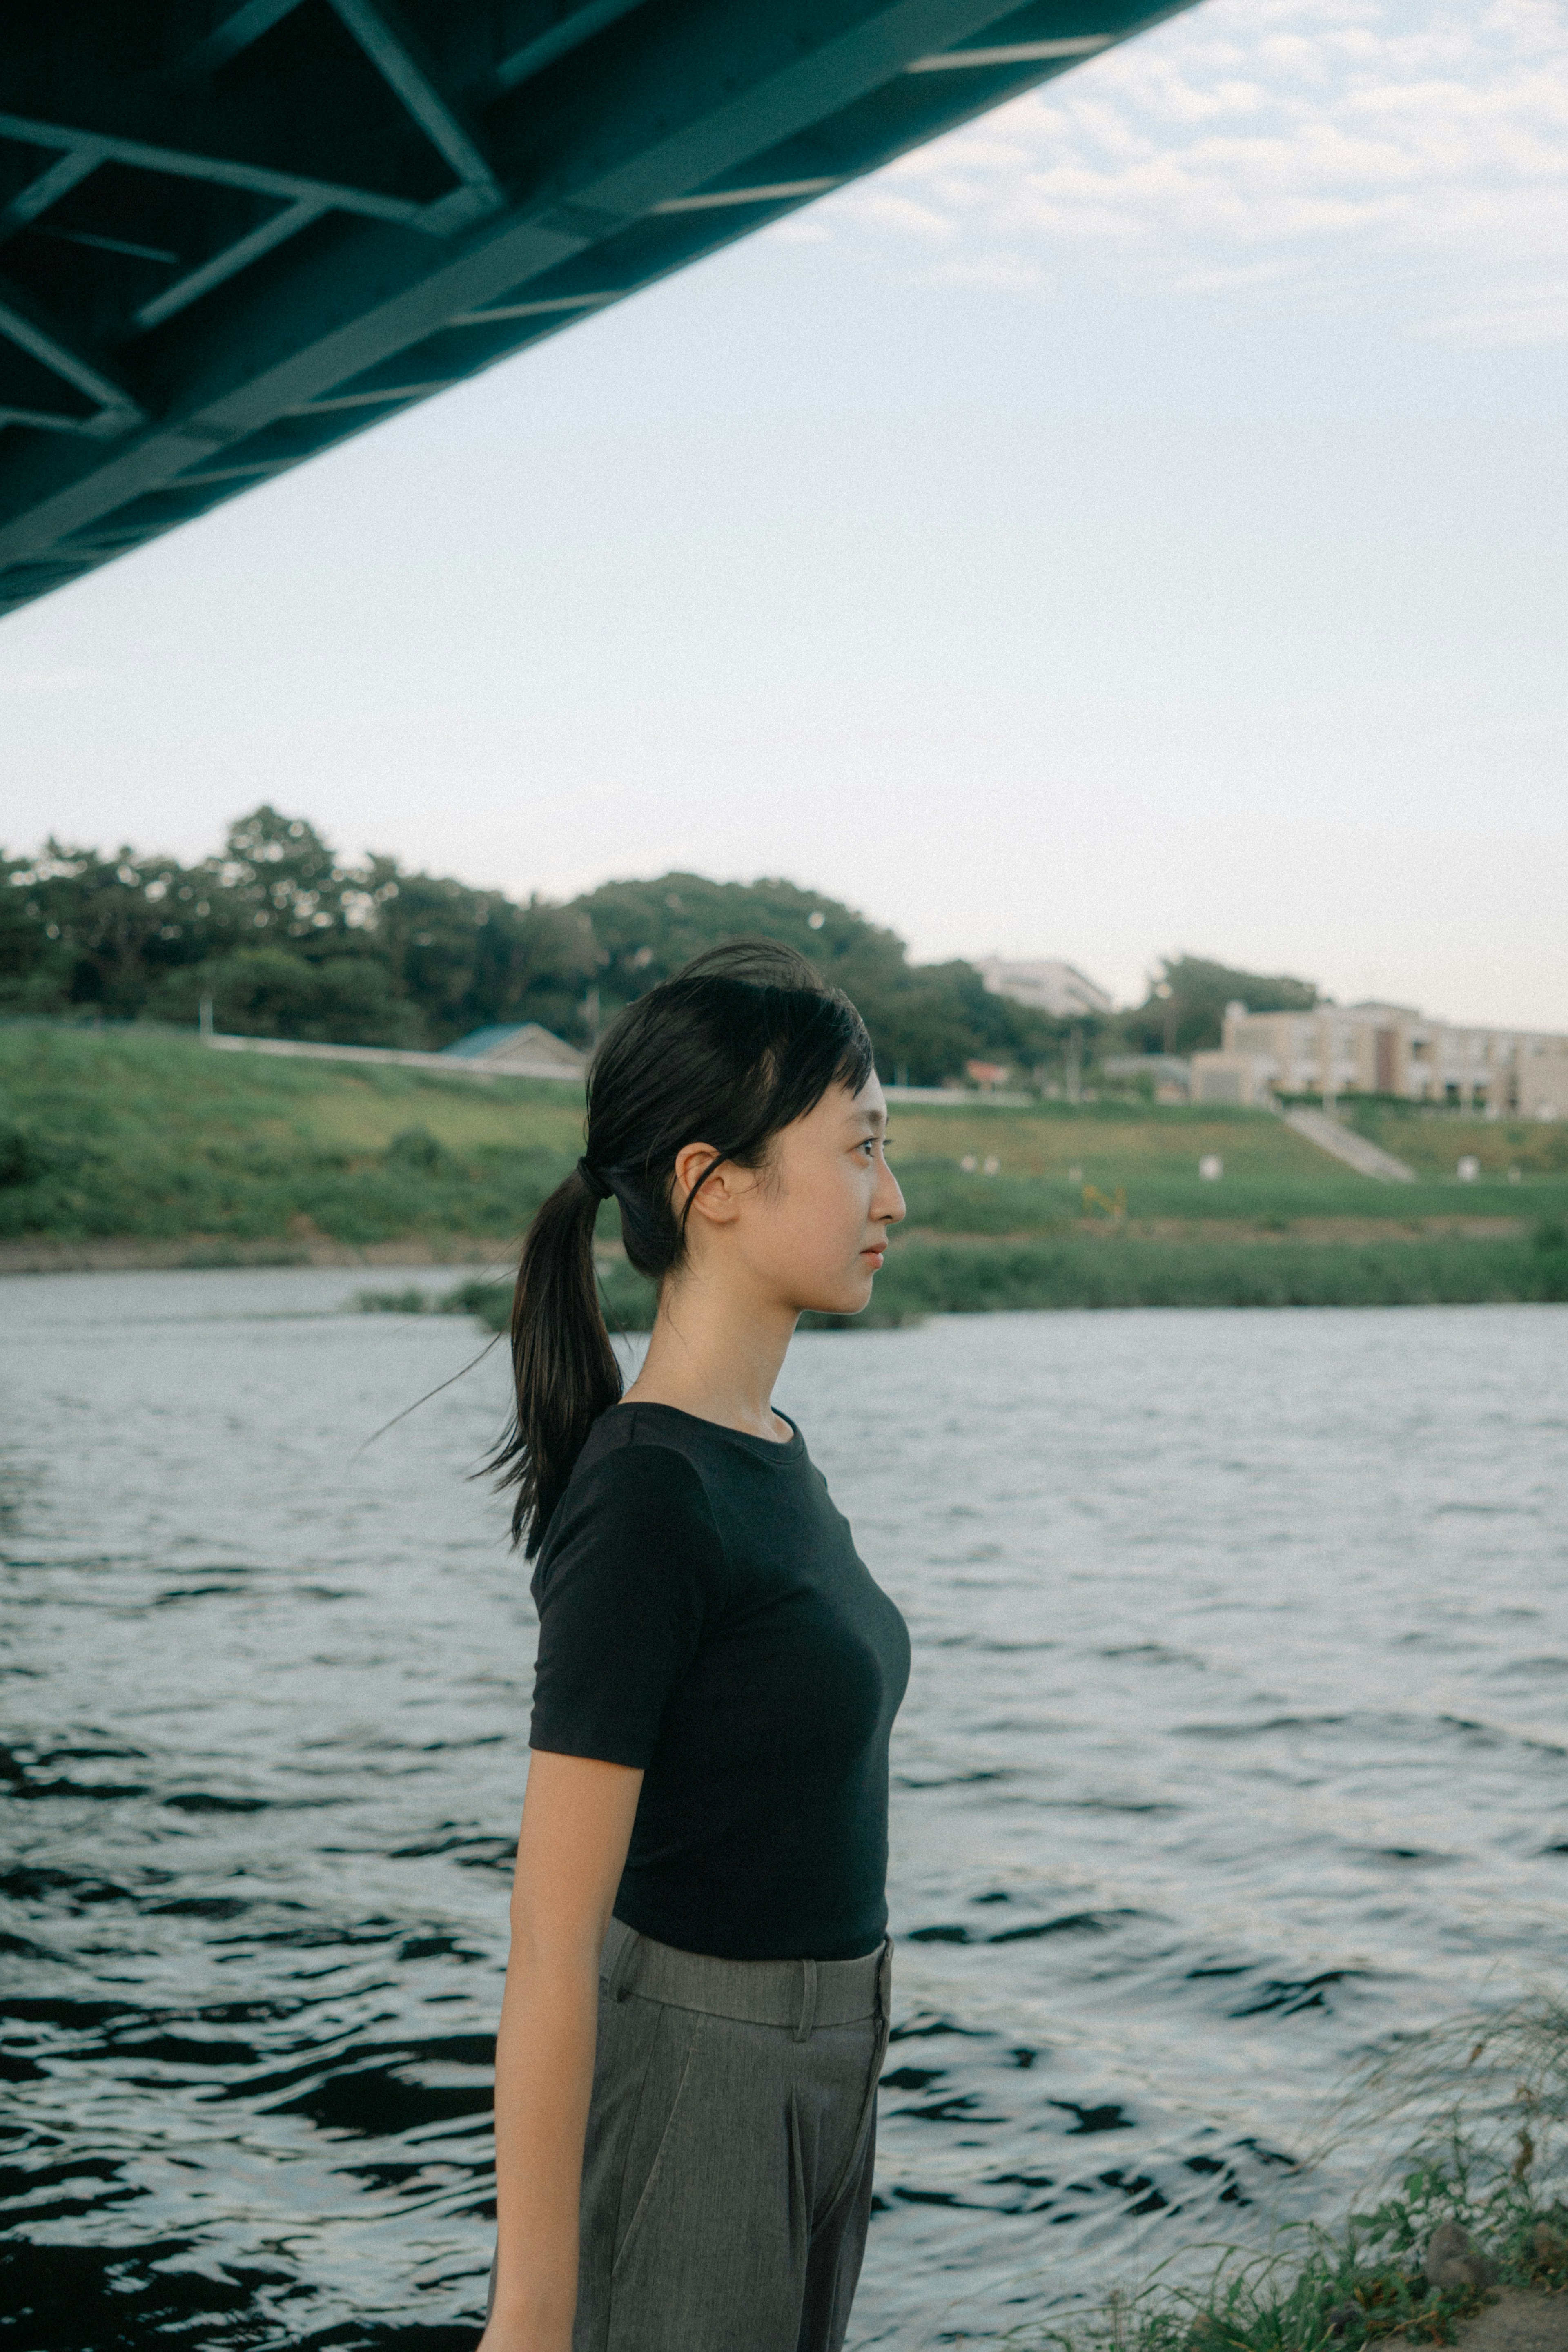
811,1227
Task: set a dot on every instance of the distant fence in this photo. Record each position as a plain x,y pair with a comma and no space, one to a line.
974,1096
448,1066
451,1066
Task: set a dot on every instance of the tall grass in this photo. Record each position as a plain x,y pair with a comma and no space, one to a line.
1487,2101
955,1277
925,1278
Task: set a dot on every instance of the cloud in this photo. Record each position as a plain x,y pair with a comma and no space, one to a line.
1265,143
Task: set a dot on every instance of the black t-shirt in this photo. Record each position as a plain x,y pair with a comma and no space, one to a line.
704,1614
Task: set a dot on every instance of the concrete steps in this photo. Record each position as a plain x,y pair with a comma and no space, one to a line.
1343,1143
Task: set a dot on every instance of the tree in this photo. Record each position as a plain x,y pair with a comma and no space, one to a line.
270,992
287,942
925,1020
280,883
1185,1009
469,959
78,928
645,931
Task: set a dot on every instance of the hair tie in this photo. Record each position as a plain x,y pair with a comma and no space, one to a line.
594,1181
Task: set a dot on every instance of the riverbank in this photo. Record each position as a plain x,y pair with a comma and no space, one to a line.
140,1148
1467,2244
1432,2264
924,1277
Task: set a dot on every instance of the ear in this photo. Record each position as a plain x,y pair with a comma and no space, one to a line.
719,1198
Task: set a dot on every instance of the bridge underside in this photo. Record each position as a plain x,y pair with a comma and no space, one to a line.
233,232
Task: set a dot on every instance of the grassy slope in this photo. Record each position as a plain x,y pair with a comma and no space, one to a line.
1271,1172
149,1136
1433,1141
133,1133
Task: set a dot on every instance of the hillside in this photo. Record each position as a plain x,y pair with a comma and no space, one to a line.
133,1134
147,1141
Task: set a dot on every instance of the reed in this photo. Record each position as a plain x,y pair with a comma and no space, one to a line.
1488,2098
1077,1270
924,1278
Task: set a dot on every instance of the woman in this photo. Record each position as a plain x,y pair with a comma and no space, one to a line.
696,2010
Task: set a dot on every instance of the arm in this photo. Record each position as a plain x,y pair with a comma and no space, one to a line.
577,1826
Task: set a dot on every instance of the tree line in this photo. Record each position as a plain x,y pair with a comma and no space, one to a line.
287,939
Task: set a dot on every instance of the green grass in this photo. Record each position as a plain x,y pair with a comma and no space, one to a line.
930,1277
134,1133
1123,1270
1150,1159
1487,2097
1433,1141
1350,2287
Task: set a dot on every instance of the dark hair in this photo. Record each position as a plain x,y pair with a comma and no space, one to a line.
740,1043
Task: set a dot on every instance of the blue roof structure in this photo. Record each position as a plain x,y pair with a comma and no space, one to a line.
484,1040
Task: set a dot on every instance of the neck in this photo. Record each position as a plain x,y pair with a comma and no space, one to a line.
715,1355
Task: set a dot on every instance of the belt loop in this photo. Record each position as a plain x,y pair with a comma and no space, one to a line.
618,1982
808,2012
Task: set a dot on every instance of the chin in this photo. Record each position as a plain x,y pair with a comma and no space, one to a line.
851,1297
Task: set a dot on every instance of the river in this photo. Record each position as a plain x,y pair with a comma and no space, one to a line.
1236,1743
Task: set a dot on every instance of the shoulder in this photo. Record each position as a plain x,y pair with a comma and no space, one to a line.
628,1459
635,1500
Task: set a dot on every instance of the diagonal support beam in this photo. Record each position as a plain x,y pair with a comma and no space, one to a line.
65,174
243,24
111,146
551,37
22,322
395,51
286,222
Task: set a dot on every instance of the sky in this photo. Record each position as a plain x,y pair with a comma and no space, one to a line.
1134,524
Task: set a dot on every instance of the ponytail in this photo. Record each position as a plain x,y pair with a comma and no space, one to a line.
564,1366
742,1041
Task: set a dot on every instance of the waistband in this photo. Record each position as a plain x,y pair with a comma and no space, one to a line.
799,1994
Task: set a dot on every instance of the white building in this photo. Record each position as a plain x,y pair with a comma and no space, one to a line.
1045,984
1385,1049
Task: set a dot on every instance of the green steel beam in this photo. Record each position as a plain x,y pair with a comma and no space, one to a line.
292,217
396,51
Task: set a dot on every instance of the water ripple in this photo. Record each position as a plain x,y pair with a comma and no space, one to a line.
1234,1746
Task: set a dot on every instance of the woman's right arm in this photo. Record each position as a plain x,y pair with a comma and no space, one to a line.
577,1826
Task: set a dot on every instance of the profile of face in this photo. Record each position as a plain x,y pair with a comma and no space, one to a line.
808,1229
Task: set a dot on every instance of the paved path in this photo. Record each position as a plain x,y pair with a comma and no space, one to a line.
1518,2322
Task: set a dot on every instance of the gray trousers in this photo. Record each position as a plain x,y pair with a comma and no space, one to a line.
726,2180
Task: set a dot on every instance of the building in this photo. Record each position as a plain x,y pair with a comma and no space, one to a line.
1385,1049
1045,984
520,1052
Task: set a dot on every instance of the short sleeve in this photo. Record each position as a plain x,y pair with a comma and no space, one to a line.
623,1592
